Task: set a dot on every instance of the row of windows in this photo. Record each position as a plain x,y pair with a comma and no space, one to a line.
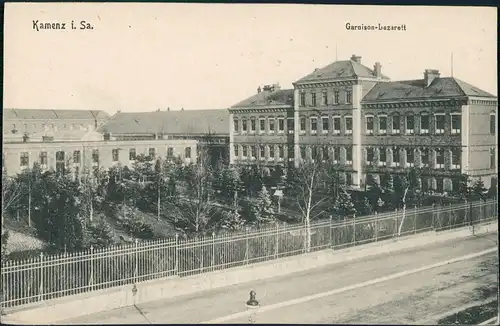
437,184
393,124
408,124
52,127
77,156
311,99
406,157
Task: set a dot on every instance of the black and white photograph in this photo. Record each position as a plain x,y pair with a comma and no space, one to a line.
203,163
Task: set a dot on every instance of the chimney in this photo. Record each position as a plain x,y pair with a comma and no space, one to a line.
277,87
356,58
259,90
430,75
168,109
377,70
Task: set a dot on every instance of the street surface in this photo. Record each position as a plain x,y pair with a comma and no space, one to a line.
411,299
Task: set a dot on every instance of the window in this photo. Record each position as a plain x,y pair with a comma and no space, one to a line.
290,125
302,99
116,155
281,151
324,98
439,185
262,152
187,152
95,156
132,153
25,127
253,125
439,124
382,157
302,152
492,123
24,159
324,125
348,97
271,125
43,158
410,124
170,153
424,157
348,156
271,152
314,125
336,155
382,124
336,97
456,123
236,125
396,127
348,125
348,178
60,162
245,151
410,157
236,150
253,152
324,154
152,153
244,125
369,125
456,158
77,157
369,156
262,125
302,125
53,127
492,158
424,123
313,99
336,125
281,125
396,159
439,159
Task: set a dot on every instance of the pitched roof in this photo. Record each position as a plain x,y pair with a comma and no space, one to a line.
265,98
16,114
441,87
169,122
346,69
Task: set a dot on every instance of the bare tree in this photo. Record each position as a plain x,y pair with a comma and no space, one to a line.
11,192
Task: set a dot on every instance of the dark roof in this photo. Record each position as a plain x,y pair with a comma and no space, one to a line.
169,122
265,98
440,87
347,69
16,114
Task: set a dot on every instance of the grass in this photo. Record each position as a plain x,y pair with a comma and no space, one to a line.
473,315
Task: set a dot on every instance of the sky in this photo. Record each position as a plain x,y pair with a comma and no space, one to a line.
144,57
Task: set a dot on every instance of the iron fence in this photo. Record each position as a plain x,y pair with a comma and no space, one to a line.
49,277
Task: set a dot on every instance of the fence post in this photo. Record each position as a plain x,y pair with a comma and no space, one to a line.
470,213
415,220
40,291
376,227
330,231
276,249
136,261
395,233
246,246
176,267
213,251
452,217
91,278
354,229
434,216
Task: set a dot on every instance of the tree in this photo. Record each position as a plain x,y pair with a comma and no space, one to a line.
343,205
478,190
262,208
232,220
388,191
307,183
11,193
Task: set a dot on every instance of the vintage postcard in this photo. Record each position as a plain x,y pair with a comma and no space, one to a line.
179,163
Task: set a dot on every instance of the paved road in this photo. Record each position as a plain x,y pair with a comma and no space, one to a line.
414,298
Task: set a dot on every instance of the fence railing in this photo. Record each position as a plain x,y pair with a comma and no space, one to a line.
49,277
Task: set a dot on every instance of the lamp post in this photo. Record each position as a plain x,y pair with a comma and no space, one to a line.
252,305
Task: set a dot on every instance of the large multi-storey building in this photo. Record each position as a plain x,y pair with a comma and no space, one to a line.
366,125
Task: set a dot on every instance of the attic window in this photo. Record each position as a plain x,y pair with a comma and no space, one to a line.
439,90
408,92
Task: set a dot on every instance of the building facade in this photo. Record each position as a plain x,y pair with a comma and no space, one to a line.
368,126
58,124
76,156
